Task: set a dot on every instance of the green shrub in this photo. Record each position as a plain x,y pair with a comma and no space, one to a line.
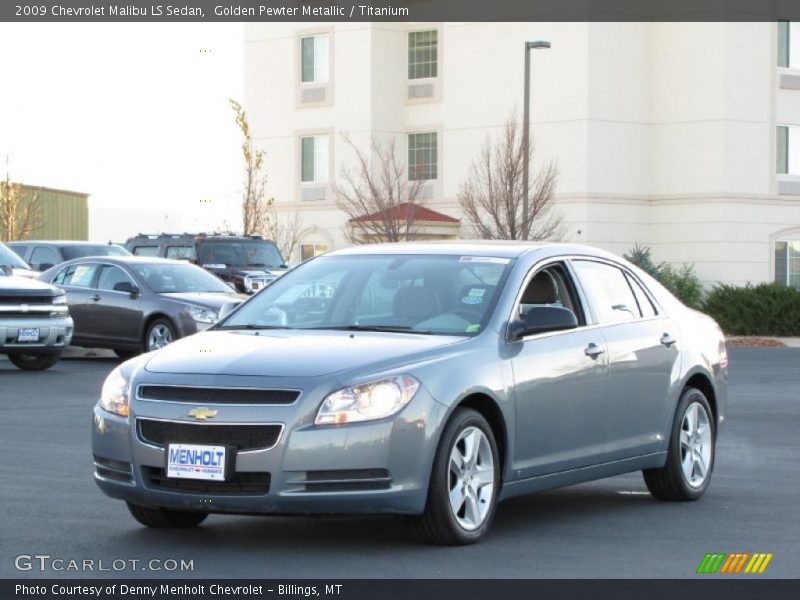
681,281
764,309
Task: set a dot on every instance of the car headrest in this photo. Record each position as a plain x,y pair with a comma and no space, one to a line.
415,303
541,290
475,295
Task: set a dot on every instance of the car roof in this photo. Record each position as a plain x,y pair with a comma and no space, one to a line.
494,248
127,260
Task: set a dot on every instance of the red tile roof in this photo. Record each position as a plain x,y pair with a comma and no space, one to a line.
401,212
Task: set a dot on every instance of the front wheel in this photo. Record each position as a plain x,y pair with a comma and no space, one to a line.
160,333
690,458
165,518
34,361
465,481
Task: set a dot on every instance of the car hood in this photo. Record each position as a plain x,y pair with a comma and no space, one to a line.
209,300
282,353
13,285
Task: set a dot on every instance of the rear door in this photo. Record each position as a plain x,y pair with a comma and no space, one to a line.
642,353
77,281
117,316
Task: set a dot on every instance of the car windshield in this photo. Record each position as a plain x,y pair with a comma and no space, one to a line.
167,278
8,258
432,294
84,250
239,254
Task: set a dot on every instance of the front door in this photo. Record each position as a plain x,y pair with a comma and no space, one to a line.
117,314
560,385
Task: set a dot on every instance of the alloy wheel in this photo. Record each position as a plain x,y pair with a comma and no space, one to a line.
471,478
695,438
160,336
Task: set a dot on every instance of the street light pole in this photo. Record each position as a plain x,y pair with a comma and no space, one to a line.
526,124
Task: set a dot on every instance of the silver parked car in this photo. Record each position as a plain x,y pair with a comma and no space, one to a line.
430,380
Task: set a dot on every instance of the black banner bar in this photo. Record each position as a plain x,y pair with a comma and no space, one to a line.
399,10
708,588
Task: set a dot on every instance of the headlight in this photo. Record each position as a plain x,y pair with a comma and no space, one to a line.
203,315
62,299
114,397
369,401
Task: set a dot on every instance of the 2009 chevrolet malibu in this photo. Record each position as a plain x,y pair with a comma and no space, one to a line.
431,380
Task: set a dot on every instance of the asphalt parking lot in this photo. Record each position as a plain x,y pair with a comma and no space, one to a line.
611,528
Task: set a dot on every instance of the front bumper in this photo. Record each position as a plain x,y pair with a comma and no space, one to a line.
374,467
55,333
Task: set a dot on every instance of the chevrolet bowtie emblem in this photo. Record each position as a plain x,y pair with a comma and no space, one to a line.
201,414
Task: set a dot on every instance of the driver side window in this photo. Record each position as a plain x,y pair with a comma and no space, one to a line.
550,287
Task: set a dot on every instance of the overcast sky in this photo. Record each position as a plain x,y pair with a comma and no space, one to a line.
136,115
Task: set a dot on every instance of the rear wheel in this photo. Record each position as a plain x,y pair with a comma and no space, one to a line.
166,518
462,495
690,458
34,361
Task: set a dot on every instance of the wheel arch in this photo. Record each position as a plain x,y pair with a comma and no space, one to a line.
702,381
490,410
155,316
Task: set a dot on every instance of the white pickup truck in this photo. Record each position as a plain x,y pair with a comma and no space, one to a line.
35,325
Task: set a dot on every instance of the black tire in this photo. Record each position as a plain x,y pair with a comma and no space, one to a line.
156,324
437,524
669,483
126,354
165,518
34,361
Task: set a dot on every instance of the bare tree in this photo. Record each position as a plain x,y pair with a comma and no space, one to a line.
254,205
378,196
282,228
492,197
20,213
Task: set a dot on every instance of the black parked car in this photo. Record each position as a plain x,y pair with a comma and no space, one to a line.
41,254
248,262
135,304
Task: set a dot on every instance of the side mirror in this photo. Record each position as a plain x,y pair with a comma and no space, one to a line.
126,286
44,266
540,319
226,309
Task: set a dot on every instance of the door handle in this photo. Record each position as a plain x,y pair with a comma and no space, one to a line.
593,350
667,340
96,297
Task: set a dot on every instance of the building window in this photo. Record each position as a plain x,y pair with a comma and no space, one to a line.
311,250
314,58
787,263
789,44
423,49
314,159
788,150
423,156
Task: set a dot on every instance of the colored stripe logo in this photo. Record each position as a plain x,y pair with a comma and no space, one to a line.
734,563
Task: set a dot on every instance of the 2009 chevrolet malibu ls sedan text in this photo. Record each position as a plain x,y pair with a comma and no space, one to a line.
430,380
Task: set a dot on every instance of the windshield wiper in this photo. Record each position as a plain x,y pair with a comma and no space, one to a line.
386,328
251,326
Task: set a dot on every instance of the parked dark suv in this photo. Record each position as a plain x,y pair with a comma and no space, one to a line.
44,254
248,262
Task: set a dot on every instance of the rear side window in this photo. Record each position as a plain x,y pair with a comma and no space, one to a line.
146,250
180,252
76,276
646,307
608,290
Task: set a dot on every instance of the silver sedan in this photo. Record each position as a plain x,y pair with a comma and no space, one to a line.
430,380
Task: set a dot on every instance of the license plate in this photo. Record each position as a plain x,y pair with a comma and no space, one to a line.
191,461
28,335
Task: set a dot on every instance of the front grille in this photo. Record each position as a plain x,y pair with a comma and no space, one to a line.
347,480
242,437
239,483
26,299
200,395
